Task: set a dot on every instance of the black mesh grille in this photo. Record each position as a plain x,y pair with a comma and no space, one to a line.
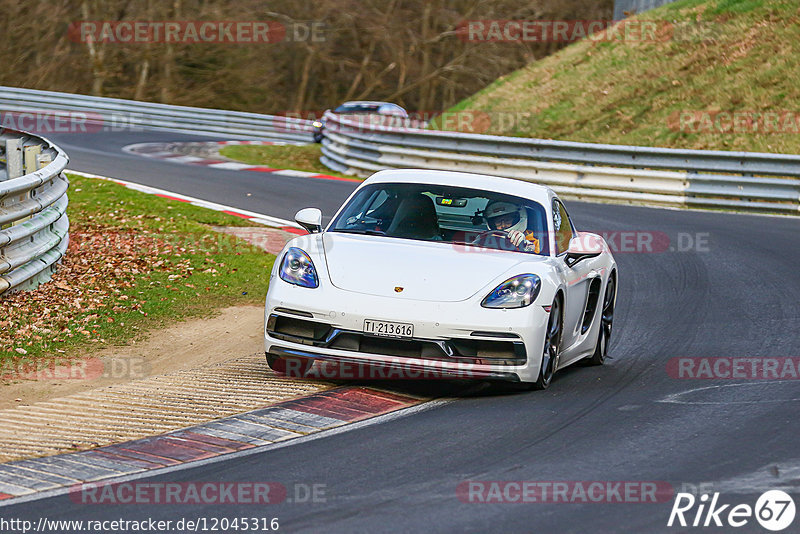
295,327
406,348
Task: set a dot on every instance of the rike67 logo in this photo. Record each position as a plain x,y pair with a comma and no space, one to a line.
774,510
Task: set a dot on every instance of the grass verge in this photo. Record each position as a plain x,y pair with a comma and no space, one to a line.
294,157
135,262
708,60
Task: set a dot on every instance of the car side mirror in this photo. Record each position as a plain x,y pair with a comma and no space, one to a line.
310,219
582,247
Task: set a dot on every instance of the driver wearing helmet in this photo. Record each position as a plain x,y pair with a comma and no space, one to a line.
513,220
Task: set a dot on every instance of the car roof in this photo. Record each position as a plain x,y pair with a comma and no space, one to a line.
537,192
366,102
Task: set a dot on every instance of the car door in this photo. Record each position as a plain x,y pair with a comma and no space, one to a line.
577,277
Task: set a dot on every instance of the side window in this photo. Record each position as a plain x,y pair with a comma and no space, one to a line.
562,226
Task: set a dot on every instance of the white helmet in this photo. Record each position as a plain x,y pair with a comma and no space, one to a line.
499,208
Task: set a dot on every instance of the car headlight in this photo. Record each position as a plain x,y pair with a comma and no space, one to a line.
298,269
516,292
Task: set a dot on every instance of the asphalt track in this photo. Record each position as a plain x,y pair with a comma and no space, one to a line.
626,421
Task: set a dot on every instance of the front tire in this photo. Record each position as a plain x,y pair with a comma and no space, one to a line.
606,324
551,345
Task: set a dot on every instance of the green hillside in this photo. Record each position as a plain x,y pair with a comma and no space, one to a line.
720,74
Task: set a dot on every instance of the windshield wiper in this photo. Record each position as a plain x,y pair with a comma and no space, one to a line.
361,232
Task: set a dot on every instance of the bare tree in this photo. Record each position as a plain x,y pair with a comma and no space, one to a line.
408,51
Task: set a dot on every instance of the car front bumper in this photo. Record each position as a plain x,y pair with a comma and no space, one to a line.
458,339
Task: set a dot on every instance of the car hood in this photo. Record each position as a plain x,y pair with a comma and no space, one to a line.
430,271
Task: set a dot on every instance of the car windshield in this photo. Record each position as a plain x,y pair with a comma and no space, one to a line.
357,108
457,215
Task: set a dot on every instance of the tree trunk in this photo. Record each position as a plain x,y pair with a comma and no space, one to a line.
95,56
301,91
144,69
169,60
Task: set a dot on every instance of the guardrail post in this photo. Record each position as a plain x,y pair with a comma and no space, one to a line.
30,154
43,160
14,158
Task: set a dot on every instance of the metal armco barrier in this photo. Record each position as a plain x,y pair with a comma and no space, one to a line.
34,228
47,111
742,181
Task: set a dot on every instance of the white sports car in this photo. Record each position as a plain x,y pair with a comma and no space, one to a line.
442,274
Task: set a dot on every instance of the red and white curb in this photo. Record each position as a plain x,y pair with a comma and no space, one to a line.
170,152
259,218
293,421
249,432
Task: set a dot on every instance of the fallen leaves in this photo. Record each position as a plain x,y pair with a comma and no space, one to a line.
120,266
102,263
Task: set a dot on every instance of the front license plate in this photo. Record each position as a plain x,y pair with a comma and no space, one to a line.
388,329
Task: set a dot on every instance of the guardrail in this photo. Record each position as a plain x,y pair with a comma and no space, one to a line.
745,181
110,114
34,228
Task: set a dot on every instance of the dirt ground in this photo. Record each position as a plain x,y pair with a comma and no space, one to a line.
235,332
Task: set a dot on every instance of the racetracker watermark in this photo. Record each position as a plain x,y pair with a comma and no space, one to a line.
734,368
568,31
205,493
618,242
195,32
735,122
655,242
126,242
63,121
464,121
396,368
66,368
574,491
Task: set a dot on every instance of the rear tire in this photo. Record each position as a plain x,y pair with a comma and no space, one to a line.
552,342
606,324
291,367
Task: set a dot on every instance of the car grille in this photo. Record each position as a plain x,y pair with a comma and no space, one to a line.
406,348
